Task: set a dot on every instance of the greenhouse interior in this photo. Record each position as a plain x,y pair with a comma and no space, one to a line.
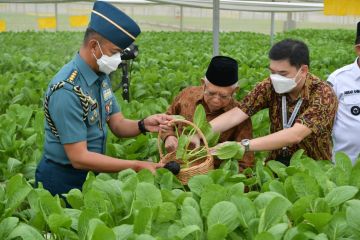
180,119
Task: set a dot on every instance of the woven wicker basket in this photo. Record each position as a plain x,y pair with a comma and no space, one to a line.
200,167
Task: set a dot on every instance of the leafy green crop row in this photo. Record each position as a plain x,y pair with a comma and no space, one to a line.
307,200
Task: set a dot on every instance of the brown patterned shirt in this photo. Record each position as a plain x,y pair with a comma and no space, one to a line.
317,112
185,104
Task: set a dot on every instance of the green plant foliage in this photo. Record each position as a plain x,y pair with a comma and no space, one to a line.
310,199
229,150
137,206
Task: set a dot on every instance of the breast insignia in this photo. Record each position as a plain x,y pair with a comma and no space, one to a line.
355,110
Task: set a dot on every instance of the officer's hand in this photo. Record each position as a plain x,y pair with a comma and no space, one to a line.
168,125
151,166
171,143
153,122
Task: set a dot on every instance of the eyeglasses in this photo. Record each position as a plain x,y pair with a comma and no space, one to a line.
220,96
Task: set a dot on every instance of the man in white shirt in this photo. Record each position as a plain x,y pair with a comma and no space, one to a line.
346,84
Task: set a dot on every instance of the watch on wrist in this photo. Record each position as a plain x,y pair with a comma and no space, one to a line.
246,144
141,125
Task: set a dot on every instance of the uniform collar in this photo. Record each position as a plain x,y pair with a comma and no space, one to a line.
356,68
89,75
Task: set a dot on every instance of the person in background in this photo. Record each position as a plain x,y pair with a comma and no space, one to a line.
216,94
346,84
79,105
301,107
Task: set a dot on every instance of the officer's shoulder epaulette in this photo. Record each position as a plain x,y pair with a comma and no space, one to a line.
72,76
66,83
70,81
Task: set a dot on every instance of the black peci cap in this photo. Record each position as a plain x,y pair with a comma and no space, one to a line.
222,71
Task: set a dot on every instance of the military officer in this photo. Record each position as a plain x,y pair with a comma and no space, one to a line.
79,103
346,84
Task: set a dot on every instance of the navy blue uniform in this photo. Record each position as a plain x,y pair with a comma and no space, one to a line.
79,102
66,111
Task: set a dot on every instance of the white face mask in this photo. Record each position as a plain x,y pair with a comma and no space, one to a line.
283,84
108,64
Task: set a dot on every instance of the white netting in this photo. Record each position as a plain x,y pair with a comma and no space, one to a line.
68,16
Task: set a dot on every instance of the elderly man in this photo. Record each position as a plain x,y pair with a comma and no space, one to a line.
79,103
216,94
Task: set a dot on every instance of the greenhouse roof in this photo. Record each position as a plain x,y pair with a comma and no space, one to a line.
254,6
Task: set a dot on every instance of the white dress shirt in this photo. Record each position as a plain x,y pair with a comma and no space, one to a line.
346,132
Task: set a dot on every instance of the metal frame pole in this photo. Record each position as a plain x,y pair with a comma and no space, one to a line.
216,26
56,16
181,18
272,28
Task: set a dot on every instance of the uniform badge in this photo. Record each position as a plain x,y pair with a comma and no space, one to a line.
107,94
104,84
355,110
92,119
108,107
94,116
93,103
94,106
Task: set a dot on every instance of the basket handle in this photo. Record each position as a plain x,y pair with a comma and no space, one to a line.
188,123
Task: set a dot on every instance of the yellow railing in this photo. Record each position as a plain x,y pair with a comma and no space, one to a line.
2,26
78,21
47,23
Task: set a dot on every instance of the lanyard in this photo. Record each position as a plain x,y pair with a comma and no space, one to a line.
288,124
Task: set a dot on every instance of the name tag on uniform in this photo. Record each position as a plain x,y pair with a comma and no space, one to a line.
107,94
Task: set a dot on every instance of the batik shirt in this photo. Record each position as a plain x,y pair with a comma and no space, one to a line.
317,112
